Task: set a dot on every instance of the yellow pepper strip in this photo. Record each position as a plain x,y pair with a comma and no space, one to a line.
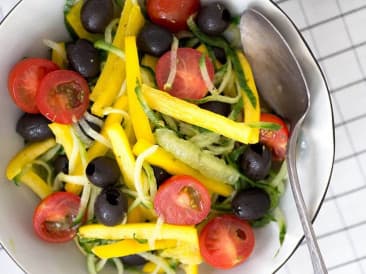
26,155
129,247
180,233
140,122
191,268
59,57
64,137
99,149
165,160
140,214
185,253
73,19
35,183
251,114
150,267
123,152
192,114
149,61
113,73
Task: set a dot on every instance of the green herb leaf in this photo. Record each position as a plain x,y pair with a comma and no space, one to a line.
264,125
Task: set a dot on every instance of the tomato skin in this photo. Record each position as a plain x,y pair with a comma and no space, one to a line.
63,96
182,200
57,210
188,82
171,14
226,241
275,140
24,79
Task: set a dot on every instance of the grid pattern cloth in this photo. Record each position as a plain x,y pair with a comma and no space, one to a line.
336,32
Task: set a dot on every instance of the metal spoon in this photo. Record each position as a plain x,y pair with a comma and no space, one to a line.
281,84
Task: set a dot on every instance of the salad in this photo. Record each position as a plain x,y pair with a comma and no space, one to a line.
146,139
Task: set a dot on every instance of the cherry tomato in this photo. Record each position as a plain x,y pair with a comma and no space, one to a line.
226,241
54,216
275,140
188,82
172,14
182,200
24,79
63,96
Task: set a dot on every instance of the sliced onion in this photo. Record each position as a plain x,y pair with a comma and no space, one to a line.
173,65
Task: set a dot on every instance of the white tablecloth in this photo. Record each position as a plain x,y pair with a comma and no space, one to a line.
336,32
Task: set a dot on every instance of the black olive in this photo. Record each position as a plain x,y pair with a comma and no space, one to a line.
219,54
217,107
251,204
103,171
213,19
256,161
134,259
84,58
33,127
61,164
96,15
110,206
160,175
154,40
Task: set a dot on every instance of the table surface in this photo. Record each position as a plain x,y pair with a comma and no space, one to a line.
335,31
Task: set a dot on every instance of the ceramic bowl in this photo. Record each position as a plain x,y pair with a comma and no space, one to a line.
21,34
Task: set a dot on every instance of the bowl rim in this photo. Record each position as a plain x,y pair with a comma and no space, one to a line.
323,78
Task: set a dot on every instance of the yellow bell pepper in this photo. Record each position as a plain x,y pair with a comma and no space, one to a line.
140,214
140,122
74,20
149,61
150,267
165,160
191,268
185,253
180,233
130,246
59,57
114,71
192,114
25,156
99,149
122,152
63,134
35,183
251,114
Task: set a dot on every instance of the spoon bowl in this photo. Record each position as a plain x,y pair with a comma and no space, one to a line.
282,86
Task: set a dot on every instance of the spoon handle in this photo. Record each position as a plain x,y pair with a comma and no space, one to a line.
315,254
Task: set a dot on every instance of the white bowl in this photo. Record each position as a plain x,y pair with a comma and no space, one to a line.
21,34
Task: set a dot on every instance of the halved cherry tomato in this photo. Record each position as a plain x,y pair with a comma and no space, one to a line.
63,96
182,200
54,217
275,140
172,14
24,79
226,241
188,82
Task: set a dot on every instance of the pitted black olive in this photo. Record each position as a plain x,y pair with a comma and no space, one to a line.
256,161
134,259
96,15
154,40
251,204
33,127
61,164
84,58
220,54
160,175
217,107
110,206
213,19
103,171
